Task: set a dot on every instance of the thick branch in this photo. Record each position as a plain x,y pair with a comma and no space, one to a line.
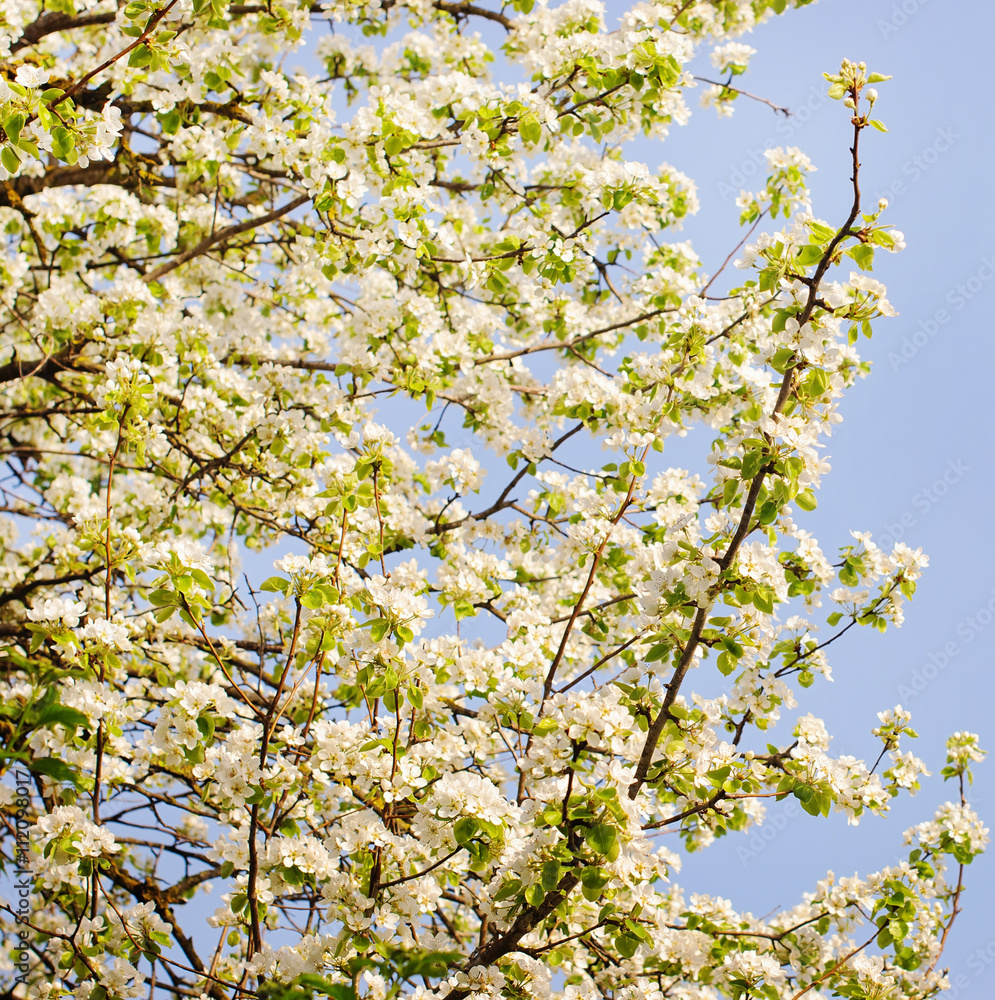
52,21
498,947
224,234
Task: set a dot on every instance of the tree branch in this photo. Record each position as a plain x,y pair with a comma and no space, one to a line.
224,234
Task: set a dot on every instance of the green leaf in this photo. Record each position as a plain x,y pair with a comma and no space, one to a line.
140,57
848,574
379,628
752,463
276,583
782,359
465,829
763,600
809,255
464,609
593,881
603,839
817,382
627,945
530,129
61,714
806,500
63,142
863,255
550,875
10,159
657,652
12,126
312,599
54,768
170,122
508,889
733,647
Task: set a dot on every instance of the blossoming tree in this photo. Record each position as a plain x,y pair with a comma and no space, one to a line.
247,311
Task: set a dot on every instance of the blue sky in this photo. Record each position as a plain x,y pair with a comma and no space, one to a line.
912,459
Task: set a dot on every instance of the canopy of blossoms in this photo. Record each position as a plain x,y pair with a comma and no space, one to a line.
343,567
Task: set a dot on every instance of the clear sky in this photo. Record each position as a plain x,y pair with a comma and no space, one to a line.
913,458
